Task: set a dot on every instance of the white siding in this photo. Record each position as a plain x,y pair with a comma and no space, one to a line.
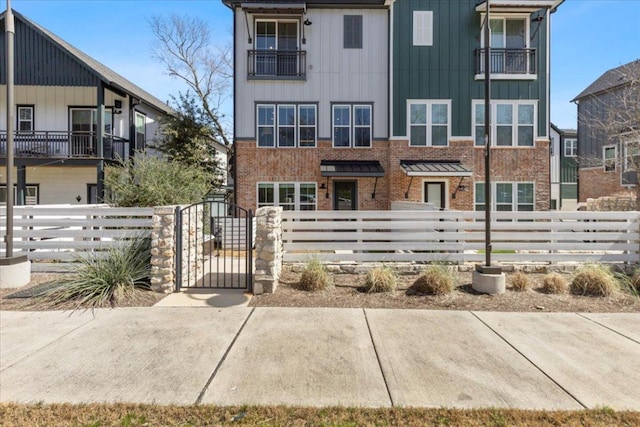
334,74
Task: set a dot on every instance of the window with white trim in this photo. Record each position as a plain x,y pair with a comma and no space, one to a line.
422,28
25,118
352,125
286,125
429,122
31,195
609,154
570,147
288,195
510,50
632,156
506,196
513,123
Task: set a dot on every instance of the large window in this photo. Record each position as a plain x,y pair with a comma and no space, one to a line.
513,123
351,125
276,47
286,125
507,196
609,154
429,122
83,123
25,118
570,147
288,195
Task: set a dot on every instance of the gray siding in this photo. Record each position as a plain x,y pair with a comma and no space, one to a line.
333,74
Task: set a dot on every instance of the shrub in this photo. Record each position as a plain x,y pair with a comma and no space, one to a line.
435,280
315,277
520,281
381,279
635,280
630,283
554,283
106,278
594,280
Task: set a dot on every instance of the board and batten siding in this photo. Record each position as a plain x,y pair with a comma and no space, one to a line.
333,74
446,69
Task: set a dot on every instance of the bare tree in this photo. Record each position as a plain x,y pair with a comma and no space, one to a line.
183,45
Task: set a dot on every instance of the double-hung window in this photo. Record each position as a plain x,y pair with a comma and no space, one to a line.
570,147
352,125
513,123
429,122
506,196
632,156
288,195
25,118
609,154
286,125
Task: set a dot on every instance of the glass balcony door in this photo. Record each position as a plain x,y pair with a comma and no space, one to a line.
277,46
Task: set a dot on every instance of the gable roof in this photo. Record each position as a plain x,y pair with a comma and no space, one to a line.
97,69
613,78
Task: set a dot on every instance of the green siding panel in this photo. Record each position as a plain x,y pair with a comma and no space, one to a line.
569,191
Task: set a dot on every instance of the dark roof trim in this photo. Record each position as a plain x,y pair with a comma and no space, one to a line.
519,5
351,168
434,168
313,3
612,79
275,8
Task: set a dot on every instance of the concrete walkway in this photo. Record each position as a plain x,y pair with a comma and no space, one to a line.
322,357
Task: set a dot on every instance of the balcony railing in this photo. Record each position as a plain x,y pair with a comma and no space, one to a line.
277,64
60,144
508,61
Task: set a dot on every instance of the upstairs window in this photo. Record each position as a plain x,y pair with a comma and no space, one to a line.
632,156
513,123
510,50
353,31
276,51
352,125
286,125
141,130
570,147
609,154
25,118
429,122
422,28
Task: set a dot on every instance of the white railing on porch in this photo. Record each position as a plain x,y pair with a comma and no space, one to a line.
52,236
459,236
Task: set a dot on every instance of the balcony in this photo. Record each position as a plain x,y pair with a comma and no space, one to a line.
276,65
65,145
514,64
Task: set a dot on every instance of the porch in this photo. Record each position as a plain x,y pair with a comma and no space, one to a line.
63,144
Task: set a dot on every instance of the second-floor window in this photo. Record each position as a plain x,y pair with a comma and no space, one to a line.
25,118
276,48
141,130
609,154
429,122
570,147
512,123
510,50
632,156
352,125
353,31
286,125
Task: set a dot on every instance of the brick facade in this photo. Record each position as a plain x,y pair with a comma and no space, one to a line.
595,183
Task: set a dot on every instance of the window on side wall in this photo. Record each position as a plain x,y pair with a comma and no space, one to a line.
429,122
286,125
288,195
609,155
422,28
570,147
353,31
352,125
25,118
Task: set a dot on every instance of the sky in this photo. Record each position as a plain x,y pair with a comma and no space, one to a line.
588,37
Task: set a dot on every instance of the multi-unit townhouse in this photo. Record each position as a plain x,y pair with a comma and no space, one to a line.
60,147
564,168
608,130
356,104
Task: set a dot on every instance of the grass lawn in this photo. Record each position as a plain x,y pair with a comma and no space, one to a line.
125,415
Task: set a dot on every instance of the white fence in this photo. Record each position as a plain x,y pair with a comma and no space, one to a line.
52,235
459,236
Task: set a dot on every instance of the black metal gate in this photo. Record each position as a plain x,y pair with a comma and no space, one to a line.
214,246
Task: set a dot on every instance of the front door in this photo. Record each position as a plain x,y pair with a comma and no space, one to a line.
345,195
434,194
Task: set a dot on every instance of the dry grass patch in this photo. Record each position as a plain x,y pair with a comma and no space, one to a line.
381,279
98,415
554,283
519,281
594,280
435,280
315,277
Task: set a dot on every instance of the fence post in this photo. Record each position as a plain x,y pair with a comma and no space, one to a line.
163,253
268,249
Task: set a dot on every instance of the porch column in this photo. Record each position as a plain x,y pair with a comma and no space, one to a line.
21,184
100,143
132,127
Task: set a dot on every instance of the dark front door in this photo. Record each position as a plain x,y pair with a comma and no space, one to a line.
434,194
345,195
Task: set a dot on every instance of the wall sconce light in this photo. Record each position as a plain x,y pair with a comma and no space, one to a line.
307,22
323,186
117,106
78,198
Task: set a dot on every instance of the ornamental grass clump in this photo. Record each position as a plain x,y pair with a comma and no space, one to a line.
520,281
594,280
106,278
554,283
381,279
435,280
315,277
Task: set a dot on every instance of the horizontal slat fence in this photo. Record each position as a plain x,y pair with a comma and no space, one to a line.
54,235
459,236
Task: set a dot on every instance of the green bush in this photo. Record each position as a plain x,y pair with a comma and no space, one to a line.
381,279
554,283
106,278
594,280
435,280
315,277
520,281
146,181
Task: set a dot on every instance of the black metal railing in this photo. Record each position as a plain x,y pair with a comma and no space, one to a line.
508,61
61,144
277,64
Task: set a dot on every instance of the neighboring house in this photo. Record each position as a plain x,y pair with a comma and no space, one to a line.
59,133
564,169
609,133
356,104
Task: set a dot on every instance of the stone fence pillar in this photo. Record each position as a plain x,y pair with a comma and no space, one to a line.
163,249
268,258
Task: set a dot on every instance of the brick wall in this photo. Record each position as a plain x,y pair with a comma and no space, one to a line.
595,183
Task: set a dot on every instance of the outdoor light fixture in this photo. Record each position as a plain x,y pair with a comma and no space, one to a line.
307,22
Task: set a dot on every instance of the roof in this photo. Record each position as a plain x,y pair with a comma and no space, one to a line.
368,168
104,73
434,168
523,5
312,3
613,78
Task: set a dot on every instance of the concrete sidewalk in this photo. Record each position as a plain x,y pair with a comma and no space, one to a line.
322,357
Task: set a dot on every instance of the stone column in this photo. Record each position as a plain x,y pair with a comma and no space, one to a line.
163,249
268,261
